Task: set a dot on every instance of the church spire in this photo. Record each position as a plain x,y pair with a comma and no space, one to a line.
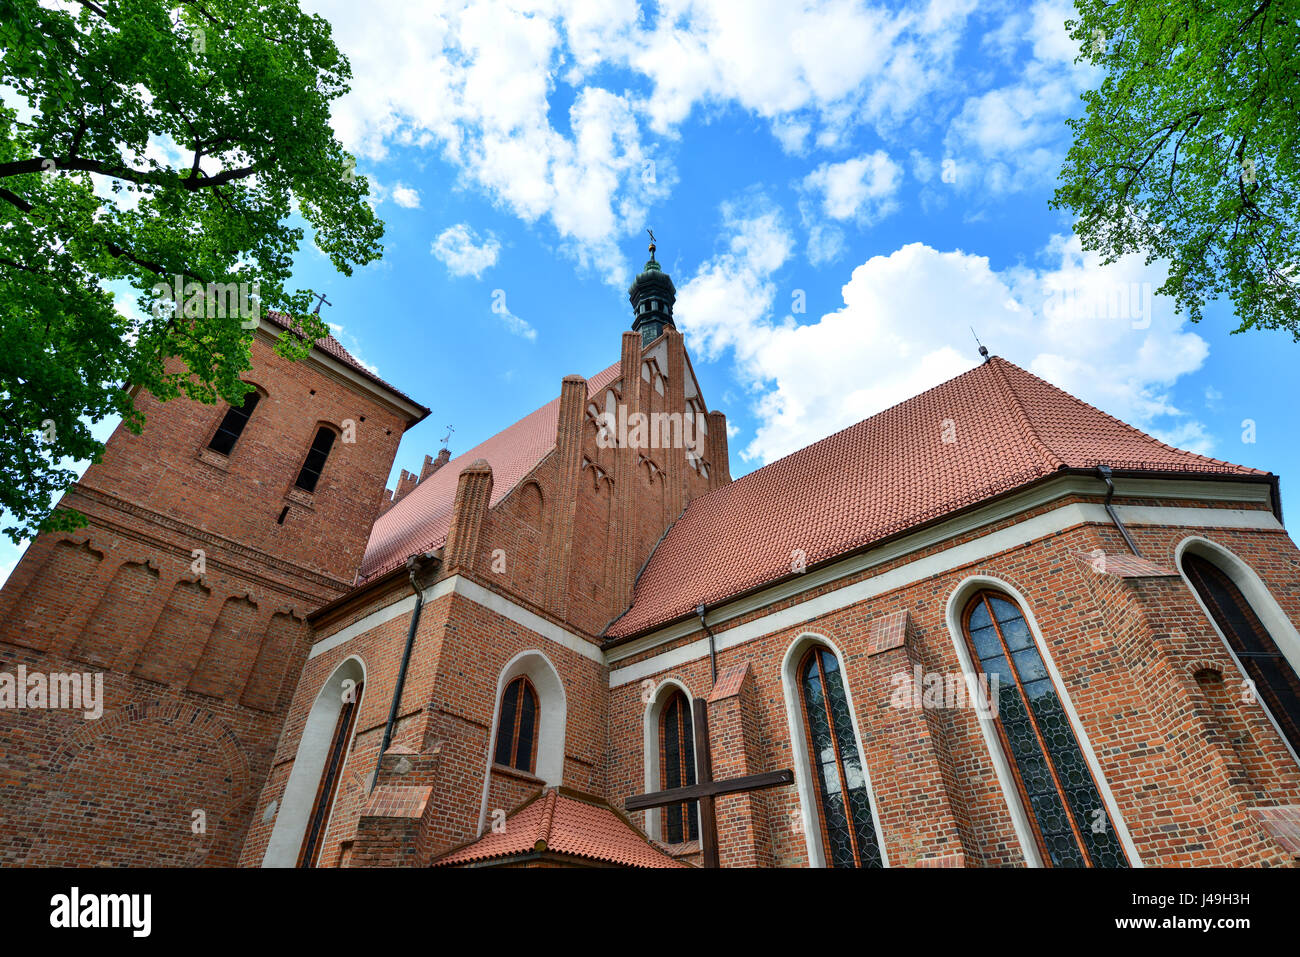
652,295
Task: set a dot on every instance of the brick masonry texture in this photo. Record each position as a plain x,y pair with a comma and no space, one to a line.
212,681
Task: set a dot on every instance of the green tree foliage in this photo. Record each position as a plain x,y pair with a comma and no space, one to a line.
146,140
1187,150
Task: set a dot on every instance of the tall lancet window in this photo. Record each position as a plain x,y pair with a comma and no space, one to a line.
517,727
314,840
1070,822
677,768
847,830
1276,682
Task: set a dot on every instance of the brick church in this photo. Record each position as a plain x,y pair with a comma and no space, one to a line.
990,626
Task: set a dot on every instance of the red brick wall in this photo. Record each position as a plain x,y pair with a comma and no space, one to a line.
200,662
1111,669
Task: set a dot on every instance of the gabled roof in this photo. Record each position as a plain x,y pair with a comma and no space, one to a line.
977,436
561,821
419,522
333,348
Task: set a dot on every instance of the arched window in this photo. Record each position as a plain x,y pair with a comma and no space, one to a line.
232,424
681,822
315,464
1276,682
340,744
1067,815
848,832
517,727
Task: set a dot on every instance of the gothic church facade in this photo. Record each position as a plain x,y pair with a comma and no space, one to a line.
990,626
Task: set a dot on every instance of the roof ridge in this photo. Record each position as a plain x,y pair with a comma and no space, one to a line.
1126,425
547,822
1050,458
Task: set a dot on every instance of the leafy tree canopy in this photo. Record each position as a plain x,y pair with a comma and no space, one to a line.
1187,151
154,142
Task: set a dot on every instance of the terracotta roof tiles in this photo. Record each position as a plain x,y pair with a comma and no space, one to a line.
419,522
564,822
984,433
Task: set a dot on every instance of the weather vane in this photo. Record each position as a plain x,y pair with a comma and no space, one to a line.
652,242
984,351
447,438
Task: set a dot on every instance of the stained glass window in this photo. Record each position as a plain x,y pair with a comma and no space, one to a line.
677,768
1071,824
517,729
848,832
1276,682
232,424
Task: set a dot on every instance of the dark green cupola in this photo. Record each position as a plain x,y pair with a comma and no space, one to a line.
652,296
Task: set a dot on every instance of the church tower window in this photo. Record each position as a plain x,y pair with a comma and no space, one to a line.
1276,682
329,782
232,424
847,829
517,727
1067,815
677,768
316,456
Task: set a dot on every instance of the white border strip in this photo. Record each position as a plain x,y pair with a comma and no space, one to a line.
1048,523
480,596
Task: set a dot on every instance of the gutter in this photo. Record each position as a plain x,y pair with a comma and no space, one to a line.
713,648
414,565
1105,473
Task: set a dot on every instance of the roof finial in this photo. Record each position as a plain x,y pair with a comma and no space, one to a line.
652,244
983,348
446,439
323,301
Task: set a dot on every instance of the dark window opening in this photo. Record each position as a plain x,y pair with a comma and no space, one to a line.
232,426
517,729
315,464
677,769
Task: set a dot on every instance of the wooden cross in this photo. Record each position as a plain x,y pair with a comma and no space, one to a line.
705,789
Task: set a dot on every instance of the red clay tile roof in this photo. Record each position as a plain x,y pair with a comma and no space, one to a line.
332,347
890,472
563,822
419,522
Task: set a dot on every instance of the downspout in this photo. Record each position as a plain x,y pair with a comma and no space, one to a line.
1104,472
713,649
413,568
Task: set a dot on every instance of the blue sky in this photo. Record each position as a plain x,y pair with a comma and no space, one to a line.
840,191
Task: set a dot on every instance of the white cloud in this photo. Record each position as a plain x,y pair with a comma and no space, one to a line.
475,81
904,326
352,344
464,253
860,189
1014,136
405,196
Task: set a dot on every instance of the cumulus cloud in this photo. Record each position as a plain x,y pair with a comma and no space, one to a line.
860,189
464,253
1096,331
1014,136
476,81
406,196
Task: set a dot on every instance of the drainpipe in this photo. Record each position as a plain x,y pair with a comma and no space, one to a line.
1104,471
713,650
413,569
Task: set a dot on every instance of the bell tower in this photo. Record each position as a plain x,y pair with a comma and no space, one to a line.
652,295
